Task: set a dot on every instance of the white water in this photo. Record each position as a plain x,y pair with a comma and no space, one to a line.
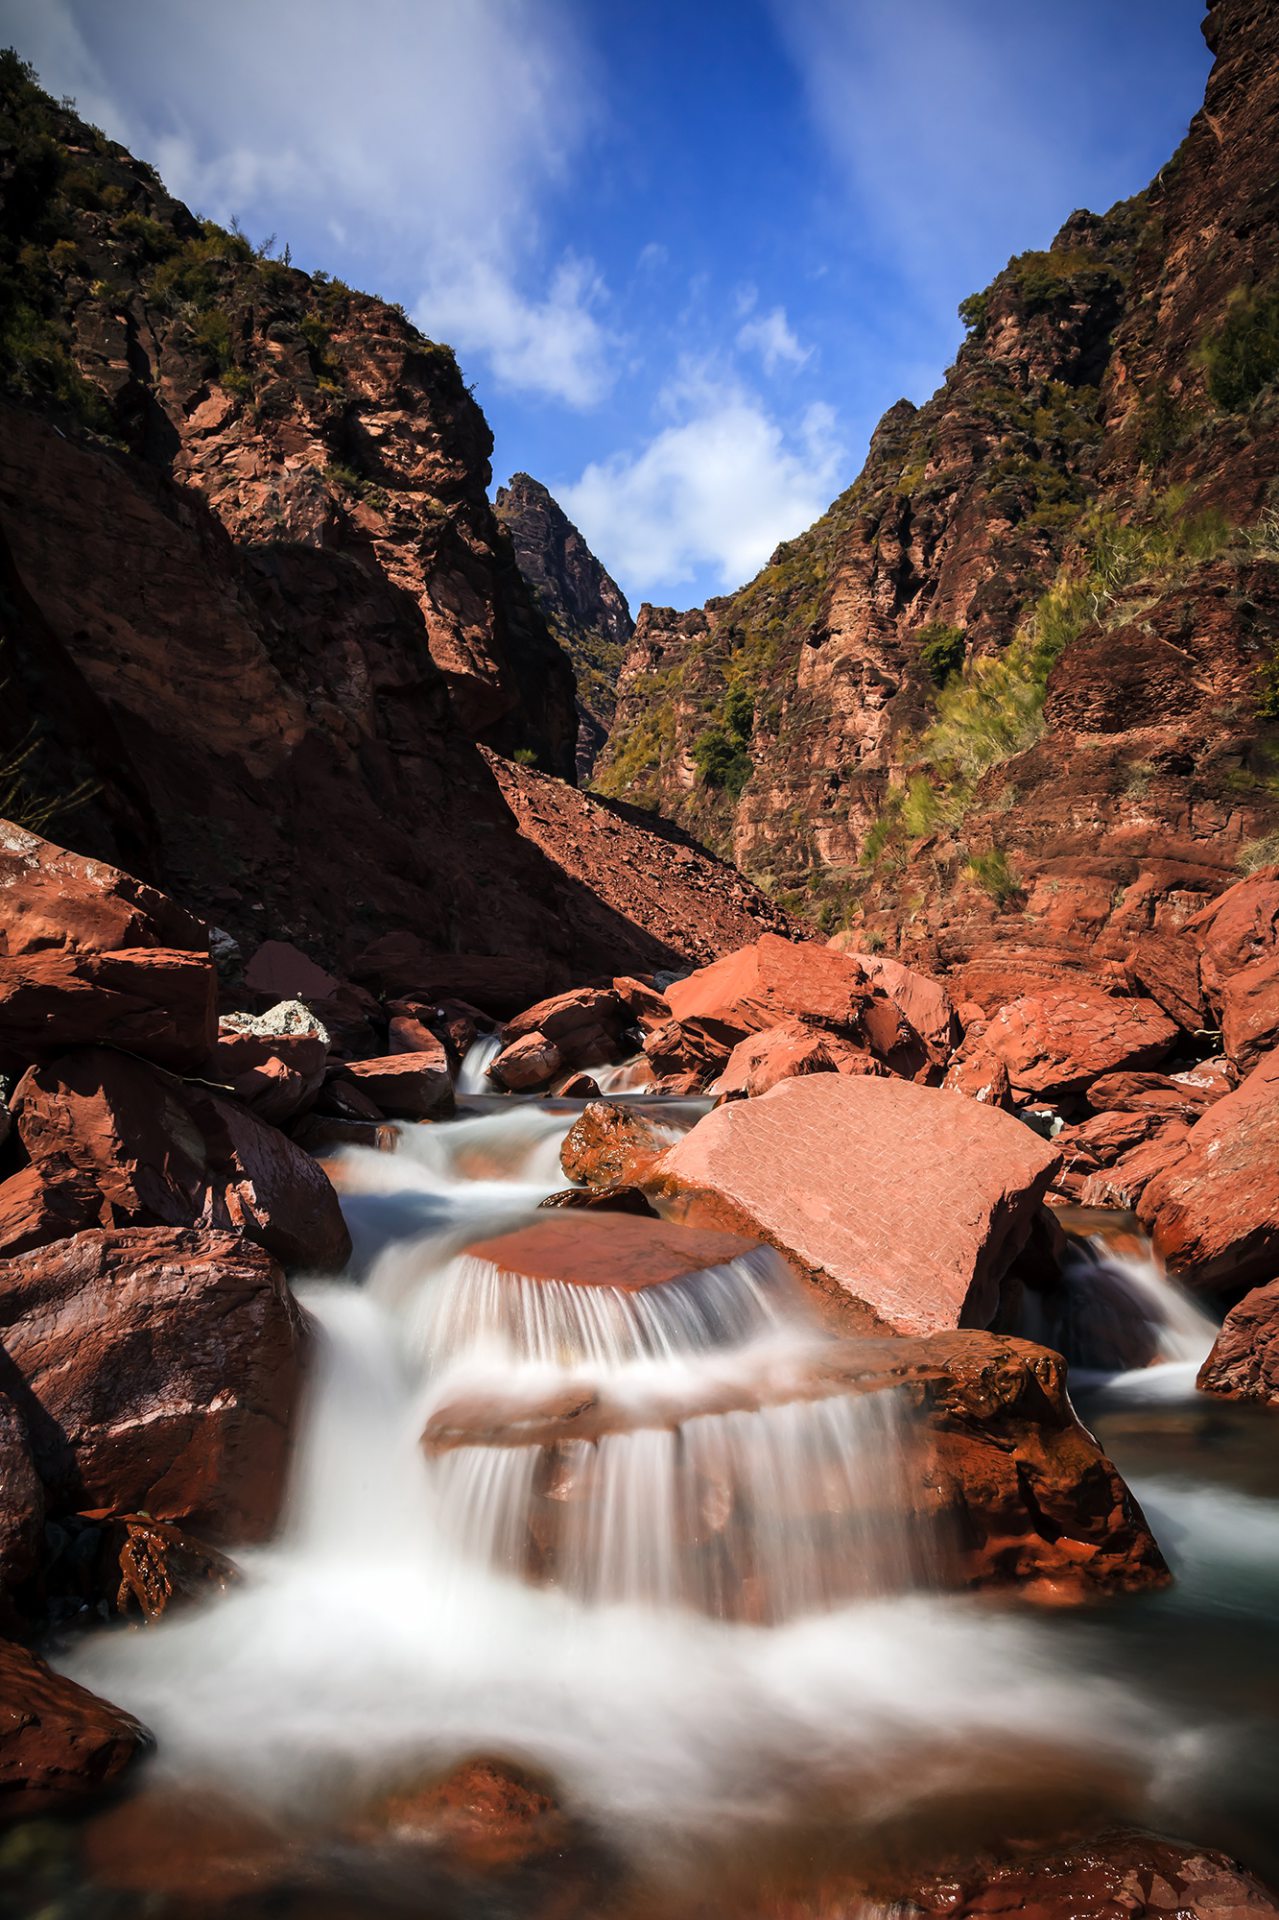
1117,1305
394,1626
472,1075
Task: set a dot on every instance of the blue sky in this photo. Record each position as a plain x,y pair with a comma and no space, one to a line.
687,253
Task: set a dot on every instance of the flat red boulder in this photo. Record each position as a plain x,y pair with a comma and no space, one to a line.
51,899
1214,1212
410,1086
166,1152
901,1205
59,1744
604,1249
1244,1362
758,986
155,1001
1056,1043
163,1369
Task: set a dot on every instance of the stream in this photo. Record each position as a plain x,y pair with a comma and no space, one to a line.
393,1627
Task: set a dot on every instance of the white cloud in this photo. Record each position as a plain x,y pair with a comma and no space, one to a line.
717,488
427,132
554,346
773,339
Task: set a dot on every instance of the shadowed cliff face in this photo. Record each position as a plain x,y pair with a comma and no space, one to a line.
253,594
894,728
582,604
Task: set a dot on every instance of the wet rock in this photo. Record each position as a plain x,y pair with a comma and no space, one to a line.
341,1098
615,1199
410,1086
21,1509
1244,1362
584,1025
153,1001
786,1051
1057,1043
485,1814
996,1482
59,1744
609,1145
52,900
608,1250
143,1567
530,1062
1118,1873
901,1206
576,1086
1214,1211
170,1153
157,1372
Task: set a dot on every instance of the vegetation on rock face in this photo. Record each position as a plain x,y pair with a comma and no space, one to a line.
1241,359
941,650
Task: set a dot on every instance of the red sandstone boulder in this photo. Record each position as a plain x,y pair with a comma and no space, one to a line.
785,1051
54,900
170,1153
406,1033
902,1207
162,1369
411,1086
609,1146
1244,1362
144,1567
486,1816
910,1021
1214,1212
1183,1095
687,1055
775,979
59,1743
154,1001
982,1077
274,1062
1105,1141
1250,1012
1165,967
21,1508
44,1203
1238,928
531,1061
1056,1043
584,1025
643,1005
1123,1182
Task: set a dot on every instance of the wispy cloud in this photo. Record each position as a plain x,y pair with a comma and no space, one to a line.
771,336
717,488
421,130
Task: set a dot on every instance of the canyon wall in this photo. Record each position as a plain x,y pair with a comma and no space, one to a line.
1013,702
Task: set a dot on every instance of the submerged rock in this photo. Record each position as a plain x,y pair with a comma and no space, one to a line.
900,1205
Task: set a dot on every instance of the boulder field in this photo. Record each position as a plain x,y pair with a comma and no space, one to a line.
158,1181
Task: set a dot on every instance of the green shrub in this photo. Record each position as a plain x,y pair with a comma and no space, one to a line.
995,876
149,238
722,762
975,311
1242,358
941,650
1058,273
526,756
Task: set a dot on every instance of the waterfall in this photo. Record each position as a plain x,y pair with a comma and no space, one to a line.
472,1075
1120,1319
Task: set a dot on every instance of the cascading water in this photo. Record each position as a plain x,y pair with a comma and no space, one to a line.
473,1074
619,1484
1121,1319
